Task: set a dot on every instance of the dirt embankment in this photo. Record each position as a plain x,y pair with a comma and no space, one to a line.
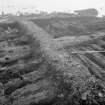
52,76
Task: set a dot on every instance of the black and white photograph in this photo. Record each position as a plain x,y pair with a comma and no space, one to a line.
52,52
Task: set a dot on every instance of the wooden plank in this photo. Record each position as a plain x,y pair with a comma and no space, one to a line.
101,42
81,66
97,47
92,67
97,57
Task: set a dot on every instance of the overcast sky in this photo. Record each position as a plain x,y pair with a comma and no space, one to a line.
50,5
